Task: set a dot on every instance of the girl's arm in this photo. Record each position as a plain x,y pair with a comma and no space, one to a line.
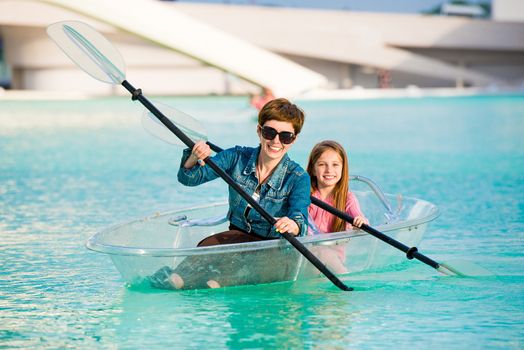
353,209
359,220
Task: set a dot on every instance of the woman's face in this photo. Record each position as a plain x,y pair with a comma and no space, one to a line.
275,148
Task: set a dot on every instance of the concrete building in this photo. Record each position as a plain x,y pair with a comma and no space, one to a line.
345,49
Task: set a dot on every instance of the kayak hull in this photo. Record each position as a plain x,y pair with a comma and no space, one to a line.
140,248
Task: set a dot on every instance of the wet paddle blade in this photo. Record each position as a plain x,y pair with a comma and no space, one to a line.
463,268
186,123
90,50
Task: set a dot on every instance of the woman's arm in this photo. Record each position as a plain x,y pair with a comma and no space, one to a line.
299,202
199,174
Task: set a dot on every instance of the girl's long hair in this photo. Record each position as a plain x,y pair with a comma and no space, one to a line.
340,192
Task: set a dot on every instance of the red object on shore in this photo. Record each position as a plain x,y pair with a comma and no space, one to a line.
258,101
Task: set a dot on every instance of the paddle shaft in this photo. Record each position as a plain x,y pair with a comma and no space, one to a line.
137,95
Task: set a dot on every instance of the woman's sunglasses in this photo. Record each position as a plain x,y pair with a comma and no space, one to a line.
286,137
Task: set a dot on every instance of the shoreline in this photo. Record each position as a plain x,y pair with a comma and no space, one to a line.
318,94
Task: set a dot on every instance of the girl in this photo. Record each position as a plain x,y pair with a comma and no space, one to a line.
328,171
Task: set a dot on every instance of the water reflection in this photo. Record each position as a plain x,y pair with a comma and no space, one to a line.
284,315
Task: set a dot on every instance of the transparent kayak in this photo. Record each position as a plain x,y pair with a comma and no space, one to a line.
142,247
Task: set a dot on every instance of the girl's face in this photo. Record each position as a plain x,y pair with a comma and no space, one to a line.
275,148
328,169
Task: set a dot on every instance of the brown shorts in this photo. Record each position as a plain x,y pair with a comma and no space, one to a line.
234,235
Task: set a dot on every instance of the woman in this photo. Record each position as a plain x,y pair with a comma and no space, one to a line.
265,172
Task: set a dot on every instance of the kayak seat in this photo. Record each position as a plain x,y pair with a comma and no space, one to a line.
184,221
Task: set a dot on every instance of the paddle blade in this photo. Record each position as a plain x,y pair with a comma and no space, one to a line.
186,123
89,50
463,268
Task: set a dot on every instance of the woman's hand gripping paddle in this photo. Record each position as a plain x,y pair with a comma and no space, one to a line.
94,54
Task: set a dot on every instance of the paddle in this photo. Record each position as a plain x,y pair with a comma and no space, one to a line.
455,268
103,62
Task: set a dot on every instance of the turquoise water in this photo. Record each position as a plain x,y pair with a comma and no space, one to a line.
69,169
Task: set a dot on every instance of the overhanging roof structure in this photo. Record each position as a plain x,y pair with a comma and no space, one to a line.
175,30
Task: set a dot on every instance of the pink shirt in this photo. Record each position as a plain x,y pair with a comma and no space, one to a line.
323,220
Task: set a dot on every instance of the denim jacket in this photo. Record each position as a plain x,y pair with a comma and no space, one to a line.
285,193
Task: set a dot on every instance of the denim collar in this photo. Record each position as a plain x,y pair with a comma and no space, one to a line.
277,178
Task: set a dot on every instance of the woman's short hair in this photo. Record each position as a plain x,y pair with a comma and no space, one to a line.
282,110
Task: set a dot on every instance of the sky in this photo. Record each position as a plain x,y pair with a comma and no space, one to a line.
400,6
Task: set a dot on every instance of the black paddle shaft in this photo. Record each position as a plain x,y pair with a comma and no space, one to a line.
137,95
410,252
